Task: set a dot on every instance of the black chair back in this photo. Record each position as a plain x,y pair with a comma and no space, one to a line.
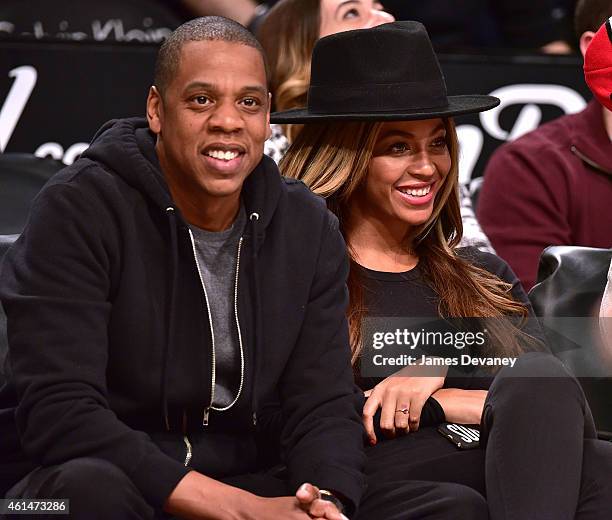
567,297
21,178
6,241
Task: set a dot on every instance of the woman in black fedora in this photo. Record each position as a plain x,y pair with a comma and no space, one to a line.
379,143
288,34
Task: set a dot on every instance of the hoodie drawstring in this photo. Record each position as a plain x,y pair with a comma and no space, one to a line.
172,283
257,325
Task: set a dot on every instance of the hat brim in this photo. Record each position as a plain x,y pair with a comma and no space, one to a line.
457,106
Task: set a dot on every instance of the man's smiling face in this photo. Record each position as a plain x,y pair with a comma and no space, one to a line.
212,119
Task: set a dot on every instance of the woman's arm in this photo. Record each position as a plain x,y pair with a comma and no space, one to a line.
461,406
445,405
240,10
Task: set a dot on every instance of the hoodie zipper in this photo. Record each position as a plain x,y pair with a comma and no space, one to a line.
206,413
212,333
189,451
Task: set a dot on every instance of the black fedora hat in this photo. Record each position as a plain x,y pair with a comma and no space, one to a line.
387,73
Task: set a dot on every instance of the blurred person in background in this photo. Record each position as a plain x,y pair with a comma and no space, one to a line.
553,186
597,66
288,34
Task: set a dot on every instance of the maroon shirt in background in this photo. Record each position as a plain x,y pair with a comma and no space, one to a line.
552,186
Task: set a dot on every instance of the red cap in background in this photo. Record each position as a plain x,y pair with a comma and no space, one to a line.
598,65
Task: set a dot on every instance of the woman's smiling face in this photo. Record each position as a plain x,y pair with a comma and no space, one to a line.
345,15
410,161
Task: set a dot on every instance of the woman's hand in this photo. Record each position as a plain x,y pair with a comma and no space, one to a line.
461,406
401,397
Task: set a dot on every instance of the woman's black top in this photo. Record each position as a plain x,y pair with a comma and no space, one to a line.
408,294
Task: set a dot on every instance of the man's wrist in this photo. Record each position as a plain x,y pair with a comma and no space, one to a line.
333,498
197,495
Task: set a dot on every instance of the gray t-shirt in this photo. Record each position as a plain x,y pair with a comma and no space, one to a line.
217,255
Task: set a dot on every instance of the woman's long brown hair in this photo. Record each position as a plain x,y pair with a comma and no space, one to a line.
288,35
333,160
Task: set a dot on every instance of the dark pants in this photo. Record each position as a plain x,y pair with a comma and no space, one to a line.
541,461
555,467
99,490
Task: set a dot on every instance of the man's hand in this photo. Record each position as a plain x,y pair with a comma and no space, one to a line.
274,508
198,497
401,397
310,500
557,47
240,10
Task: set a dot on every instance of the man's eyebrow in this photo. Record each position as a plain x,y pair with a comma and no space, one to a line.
199,84
211,87
404,133
255,88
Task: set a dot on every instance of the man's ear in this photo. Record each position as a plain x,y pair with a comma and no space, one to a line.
155,110
269,130
585,41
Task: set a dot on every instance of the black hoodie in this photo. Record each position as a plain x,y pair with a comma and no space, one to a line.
110,350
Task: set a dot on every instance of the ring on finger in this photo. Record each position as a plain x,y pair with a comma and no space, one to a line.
405,411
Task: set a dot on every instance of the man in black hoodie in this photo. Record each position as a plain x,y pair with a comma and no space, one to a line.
167,284
172,301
